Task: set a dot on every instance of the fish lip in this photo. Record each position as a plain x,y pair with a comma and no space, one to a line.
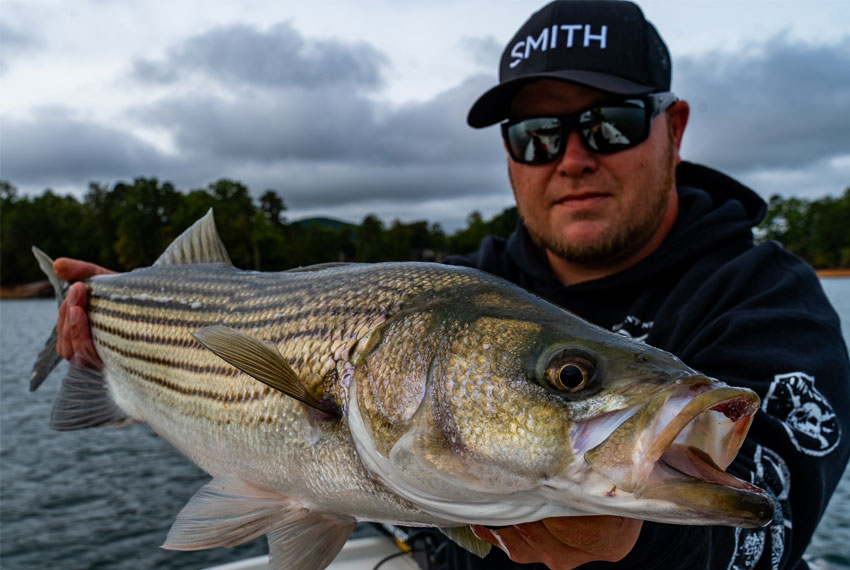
737,405
696,485
676,447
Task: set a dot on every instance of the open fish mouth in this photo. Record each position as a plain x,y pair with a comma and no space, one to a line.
676,448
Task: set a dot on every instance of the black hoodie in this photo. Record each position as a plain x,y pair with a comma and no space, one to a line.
750,315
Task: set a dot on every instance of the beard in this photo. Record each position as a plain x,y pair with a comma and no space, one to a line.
622,240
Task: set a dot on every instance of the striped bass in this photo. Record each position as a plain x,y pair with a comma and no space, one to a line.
407,393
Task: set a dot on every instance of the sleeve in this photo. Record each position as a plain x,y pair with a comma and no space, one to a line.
764,322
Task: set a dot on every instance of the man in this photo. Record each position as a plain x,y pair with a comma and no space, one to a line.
616,228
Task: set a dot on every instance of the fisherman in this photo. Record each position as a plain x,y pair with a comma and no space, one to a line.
618,229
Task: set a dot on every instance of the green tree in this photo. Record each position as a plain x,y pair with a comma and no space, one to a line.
815,230
273,207
100,202
371,242
234,216
142,213
469,238
49,221
399,242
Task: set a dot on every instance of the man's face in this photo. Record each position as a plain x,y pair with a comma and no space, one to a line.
595,209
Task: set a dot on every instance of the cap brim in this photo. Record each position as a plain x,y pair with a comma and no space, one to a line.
495,104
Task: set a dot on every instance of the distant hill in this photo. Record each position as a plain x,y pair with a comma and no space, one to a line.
329,223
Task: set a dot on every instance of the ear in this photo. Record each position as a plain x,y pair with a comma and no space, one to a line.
678,116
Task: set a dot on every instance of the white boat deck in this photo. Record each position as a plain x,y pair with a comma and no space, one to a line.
357,554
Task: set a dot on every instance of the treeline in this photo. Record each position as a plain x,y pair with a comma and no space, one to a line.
816,230
130,224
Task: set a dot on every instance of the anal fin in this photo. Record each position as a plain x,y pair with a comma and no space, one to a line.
84,402
308,543
227,512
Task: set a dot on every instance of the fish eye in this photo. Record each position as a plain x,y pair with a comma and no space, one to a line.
568,372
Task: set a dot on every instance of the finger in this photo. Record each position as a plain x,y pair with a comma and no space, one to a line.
83,347
68,269
528,549
484,533
506,539
542,546
63,324
609,538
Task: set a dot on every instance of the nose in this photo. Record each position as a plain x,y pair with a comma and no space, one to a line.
577,159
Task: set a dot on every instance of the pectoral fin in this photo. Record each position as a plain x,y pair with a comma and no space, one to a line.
228,512
259,360
464,537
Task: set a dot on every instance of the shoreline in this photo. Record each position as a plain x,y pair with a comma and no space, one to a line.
828,273
33,290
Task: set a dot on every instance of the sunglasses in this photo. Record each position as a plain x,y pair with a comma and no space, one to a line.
604,129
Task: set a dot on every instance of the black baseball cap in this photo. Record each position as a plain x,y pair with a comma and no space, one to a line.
604,44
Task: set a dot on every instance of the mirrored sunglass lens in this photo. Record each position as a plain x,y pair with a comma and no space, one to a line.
535,140
613,128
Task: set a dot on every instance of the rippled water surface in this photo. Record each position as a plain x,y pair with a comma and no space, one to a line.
105,498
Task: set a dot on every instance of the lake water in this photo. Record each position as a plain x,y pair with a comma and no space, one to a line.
105,498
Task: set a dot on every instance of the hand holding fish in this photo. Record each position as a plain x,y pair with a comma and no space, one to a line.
74,341
564,543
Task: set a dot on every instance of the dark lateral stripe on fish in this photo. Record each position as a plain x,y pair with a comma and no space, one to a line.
208,306
187,342
319,333
219,288
222,397
244,322
225,370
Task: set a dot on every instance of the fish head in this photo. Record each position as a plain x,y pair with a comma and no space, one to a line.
498,407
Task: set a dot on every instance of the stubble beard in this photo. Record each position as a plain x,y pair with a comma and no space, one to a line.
629,237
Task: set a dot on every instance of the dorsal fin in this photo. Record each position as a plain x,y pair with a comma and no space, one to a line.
198,244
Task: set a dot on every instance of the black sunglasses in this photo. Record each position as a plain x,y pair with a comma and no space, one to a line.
604,129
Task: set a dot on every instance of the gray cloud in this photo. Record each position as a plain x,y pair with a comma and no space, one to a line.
56,148
325,125
777,106
278,57
265,127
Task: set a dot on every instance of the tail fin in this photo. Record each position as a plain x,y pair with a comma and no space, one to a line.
46,265
48,358
84,400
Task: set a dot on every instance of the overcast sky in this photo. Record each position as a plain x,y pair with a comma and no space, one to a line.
347,107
